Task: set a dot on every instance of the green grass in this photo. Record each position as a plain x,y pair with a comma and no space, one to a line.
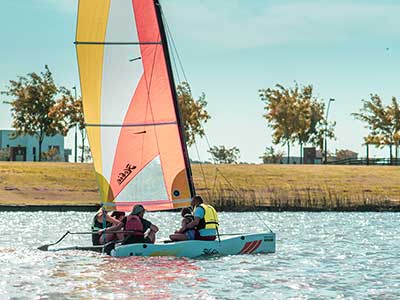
227,186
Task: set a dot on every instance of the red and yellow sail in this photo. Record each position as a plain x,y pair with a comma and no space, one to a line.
129,105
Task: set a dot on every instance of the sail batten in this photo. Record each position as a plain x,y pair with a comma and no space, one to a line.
130,114
132,125
116,43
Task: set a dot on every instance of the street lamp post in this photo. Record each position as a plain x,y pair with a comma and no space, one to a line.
76,133
326,129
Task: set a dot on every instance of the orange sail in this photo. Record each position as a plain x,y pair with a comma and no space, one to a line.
130,105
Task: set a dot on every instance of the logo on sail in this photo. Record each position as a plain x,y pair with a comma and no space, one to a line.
125,173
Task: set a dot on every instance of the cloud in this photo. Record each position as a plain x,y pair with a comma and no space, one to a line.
247,24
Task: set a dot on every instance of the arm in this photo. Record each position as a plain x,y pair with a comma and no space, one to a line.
194,223
108,218
153,228
112,228
183,226
111,220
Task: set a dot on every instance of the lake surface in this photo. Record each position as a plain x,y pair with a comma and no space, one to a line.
319,256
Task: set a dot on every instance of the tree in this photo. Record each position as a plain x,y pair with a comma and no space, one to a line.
270,156
33,98
51,155
281,113
193,113
69,112
342,154
295,115
382,121
224,155
87,154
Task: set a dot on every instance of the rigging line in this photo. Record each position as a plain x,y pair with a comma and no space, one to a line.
208,143
215,183
202,170
173,44
175,52
237,193
168,35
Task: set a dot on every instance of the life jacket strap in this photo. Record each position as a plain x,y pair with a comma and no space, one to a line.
212,223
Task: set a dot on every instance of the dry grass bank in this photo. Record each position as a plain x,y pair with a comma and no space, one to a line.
301,186
232,186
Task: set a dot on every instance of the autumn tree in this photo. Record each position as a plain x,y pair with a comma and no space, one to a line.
193,113
295,114
34,96
382,121
280,114
69,113
223,155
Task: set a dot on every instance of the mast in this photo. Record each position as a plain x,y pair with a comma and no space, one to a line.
164,43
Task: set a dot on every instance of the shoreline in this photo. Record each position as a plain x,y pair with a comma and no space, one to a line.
94,208
72,187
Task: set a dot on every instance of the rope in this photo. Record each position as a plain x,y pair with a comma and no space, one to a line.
205,135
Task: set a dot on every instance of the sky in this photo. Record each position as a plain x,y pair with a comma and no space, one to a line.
231,49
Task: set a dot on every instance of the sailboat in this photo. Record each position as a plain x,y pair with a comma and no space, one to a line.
133,122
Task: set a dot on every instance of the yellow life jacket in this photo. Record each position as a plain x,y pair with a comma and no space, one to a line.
210,220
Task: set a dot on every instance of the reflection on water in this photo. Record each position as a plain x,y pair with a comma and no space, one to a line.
319,256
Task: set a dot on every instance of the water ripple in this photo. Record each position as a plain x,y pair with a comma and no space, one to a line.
319,256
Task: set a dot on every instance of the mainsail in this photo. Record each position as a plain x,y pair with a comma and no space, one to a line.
130,105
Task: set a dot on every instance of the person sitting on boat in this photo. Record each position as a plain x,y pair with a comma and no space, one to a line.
205,220
98,223
137,229
184,233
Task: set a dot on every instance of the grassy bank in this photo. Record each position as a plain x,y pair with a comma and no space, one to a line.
281,187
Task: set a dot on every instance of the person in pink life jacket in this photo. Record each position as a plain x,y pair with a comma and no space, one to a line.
137,229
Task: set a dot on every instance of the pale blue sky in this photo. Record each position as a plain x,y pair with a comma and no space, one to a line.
229,50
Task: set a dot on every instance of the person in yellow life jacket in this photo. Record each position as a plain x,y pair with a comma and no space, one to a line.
205,220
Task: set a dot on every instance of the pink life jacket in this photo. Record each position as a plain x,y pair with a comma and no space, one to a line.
133,223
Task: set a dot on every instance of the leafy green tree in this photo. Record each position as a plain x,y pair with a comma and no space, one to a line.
193,113
33,98
270,156
224,155
382,121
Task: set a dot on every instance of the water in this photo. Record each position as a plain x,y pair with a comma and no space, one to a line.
319,256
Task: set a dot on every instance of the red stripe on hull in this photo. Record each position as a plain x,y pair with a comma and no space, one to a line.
257,244
245,247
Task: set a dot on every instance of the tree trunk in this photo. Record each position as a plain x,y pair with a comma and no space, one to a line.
83,146
367,154
40,138
288,153
391,156
301,153
40,149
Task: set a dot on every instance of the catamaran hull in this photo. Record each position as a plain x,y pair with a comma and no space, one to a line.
241,244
